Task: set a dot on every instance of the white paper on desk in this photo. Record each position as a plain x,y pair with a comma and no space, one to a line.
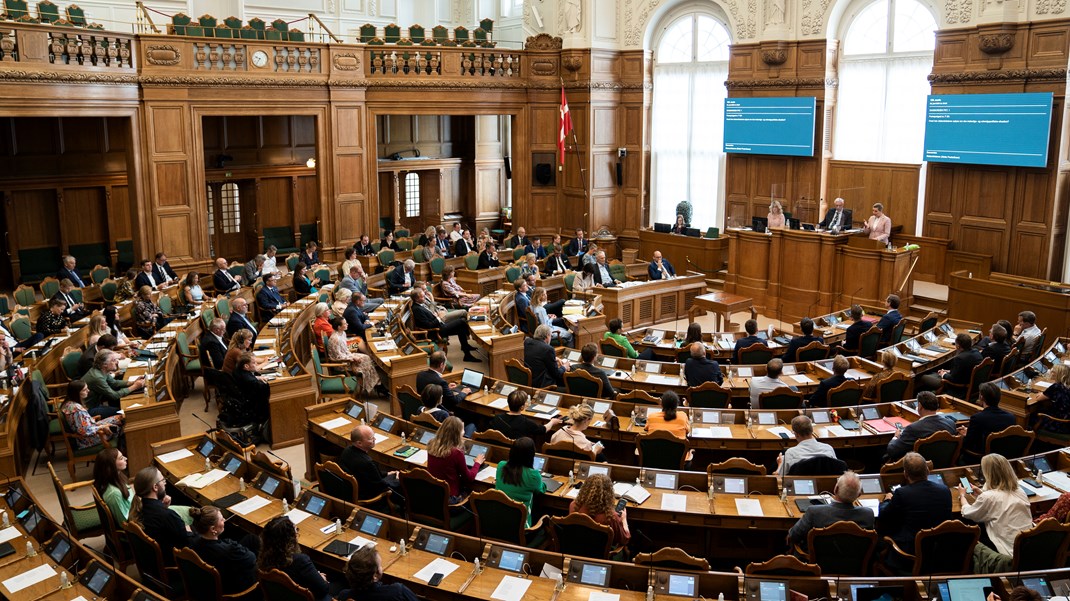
1043,385
551,572
572,493
789,370
380,437
838,430
600,596
856,374
419,457
1057,480
79,598
298,515
337,422
174,455
264,353
872,504
360,541
499,404
139,364
134,406
29,578
487,474
511,588
199,480
929,353
9,533
751,507
671,502
801,379
250,505
712,432
744,372
778,430
438,566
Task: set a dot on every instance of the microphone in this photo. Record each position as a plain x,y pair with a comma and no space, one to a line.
856,292
810,309
211,428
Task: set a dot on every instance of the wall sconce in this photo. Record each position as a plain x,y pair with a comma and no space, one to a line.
311,163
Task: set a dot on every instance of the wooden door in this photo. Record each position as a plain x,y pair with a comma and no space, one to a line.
231,212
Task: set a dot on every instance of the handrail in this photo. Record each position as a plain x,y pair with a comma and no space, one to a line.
312,17
143,17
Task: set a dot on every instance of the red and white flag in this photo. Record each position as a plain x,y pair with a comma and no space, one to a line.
565,123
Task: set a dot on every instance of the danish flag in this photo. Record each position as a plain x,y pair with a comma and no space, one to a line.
565,128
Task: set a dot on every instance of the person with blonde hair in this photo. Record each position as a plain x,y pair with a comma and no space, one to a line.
148,317
445,458
870,392
578,418
1003,508
321,326
776,217
596,500
530,266
240,342
1056,400
341,301
538,308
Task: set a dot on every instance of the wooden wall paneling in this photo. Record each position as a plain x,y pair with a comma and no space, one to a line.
275,202
352,171
35,218
118,199
306,203
84,215
861,184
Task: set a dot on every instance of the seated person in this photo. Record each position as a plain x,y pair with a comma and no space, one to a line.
989,420
356,461
451,394
146,277
547,369
254,389
602,277
88,430
1027,336
806,447
1004,511
841,509
660,269
357,321
890,319
111,483
364,574
699,369
240,343
929,421
310,256
853,337
72,310
213,349
538,309
751,327
587,356
68,271
445,459
239,317
464,245
268,299
820,397
517,240
235,562
997,348
150,509
791,353
148,317
578,245
489,257
770,381
837,217
279,551
401,278
431,398
424,319
356,363
917,505
303,285
514,424
871,392
222,280
1055,400
52,321
452,290
960,368
389,242
104,390
364,246
517,477
669,419
557,263
596,500
775,218
254,269
535,247
615,327
579,417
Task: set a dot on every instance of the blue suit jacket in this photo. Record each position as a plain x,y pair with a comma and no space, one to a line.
652,269
540,252
67,274
887,323
913,507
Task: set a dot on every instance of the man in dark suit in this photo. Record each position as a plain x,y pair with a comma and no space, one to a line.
837,217
451,397
239,318
546,369
660,269
106,342
68,271
145,277
401,278
255,391
74,310
997,348
853,337
442,243
842,509
987,421
357,322
791,353
364,246
223,281
587,357
489,257
751,327
464,245
890,319
578,245
557,263
213,347
699,369
161,270
929,422
917,505
602,277
961,368
522,300
356,461
535,247
517,240
424,319
820,397
268,299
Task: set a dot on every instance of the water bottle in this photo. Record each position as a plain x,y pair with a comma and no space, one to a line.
285,507
6,520
710,493
404,441
64,580
783,494
401,547
478,569
207,464
241,484
337,526
571,478
650,593
770,331
30,551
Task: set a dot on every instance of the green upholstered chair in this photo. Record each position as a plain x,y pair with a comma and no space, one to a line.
309,232
258,24
222,31
99,273
188,360
25,296
481,37
367,32
780,398
441,36
20,327
487,25
661,450
280,25
618,271
47,11
713,233
331,384
471,261
69,363
233,22
82,520
501,518
208,24
248,33
125,255
282,238
274,35
409,401
76,15
16,9
848,394
386,256
511,274
49,287
460,36
75,454
37,263
94,253
429,501
296,35
708,395
417,33
391,33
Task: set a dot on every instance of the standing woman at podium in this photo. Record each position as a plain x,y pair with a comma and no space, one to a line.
878,226
775,218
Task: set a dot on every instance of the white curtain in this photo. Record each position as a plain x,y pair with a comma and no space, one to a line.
880,109
687,162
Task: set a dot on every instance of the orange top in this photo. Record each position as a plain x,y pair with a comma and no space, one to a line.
677,427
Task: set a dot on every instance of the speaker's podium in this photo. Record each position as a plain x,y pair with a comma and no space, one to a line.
792,274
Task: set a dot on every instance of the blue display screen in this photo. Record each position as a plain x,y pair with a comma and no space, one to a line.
988,129
781,126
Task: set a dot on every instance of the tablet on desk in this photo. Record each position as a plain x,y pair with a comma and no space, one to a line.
472,379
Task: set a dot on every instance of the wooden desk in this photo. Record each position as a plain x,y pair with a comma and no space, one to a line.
641,304
707,255
723,305
482,281
793,274
1000,296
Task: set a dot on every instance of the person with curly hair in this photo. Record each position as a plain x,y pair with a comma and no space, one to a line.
279,551
596,500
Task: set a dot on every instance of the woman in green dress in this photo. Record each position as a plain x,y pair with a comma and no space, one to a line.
517,477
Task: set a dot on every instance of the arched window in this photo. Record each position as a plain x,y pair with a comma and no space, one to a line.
885,60
687,158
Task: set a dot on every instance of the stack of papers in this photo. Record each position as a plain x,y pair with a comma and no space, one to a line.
337,422
419,457
199,480
801,379
174,455
751,507
511,588
712,432
673,502
250,505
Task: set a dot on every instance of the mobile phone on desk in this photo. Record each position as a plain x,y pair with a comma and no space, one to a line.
436,579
